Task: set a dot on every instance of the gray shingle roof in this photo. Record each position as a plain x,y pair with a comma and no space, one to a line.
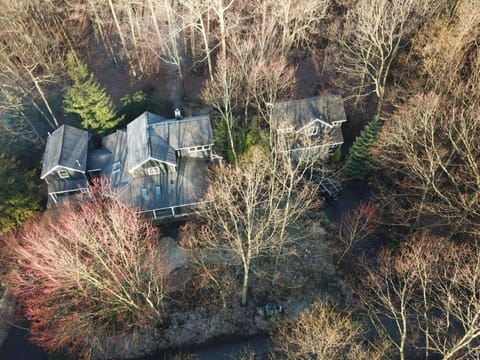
137,142
299,113
185,133
150,136
66,147
161,150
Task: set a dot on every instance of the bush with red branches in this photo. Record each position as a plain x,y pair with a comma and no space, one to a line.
92,271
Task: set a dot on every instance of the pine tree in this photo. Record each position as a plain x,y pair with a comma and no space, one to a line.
88,99
359,161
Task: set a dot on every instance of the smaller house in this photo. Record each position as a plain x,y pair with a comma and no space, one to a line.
310,125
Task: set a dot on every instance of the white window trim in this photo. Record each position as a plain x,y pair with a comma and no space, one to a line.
63,174
153,170
199,148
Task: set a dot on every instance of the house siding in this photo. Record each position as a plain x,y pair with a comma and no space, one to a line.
143,170
72,175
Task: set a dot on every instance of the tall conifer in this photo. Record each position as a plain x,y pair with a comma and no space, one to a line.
359,161
88,99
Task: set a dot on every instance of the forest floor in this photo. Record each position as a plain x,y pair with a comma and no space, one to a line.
311,276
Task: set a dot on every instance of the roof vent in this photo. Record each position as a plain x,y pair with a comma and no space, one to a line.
178,114
49,135
78,163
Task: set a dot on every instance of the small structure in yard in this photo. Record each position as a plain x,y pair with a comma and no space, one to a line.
157,165
328,189
311,125
270,309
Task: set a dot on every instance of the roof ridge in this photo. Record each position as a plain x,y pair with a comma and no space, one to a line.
172,121
60,155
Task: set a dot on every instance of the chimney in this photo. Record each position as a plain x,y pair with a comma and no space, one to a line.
178,114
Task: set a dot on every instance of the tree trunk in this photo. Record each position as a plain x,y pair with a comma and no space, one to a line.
100,32
207,49
246,270
122,38
44,98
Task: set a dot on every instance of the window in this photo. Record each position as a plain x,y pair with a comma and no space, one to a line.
63,174
158,191
144,193
154,170
313,130
199,148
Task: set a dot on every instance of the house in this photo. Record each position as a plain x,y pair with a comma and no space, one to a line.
310,125
65,162
156,165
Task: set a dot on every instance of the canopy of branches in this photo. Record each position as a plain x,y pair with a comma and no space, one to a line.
94,270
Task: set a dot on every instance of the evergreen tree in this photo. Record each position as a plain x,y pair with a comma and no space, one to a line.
88,99
359,162
18,200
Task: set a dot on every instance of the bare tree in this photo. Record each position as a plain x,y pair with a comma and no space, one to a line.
429,290
93,270
373,33
355,226
14,119
323,332
247,216
240,224
429,151
448,46
386,295
33,49
448,302
197,16
299,21
223,93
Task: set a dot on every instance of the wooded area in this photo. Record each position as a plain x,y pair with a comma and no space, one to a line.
401,271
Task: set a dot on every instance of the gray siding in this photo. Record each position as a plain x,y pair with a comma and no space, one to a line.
143,170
